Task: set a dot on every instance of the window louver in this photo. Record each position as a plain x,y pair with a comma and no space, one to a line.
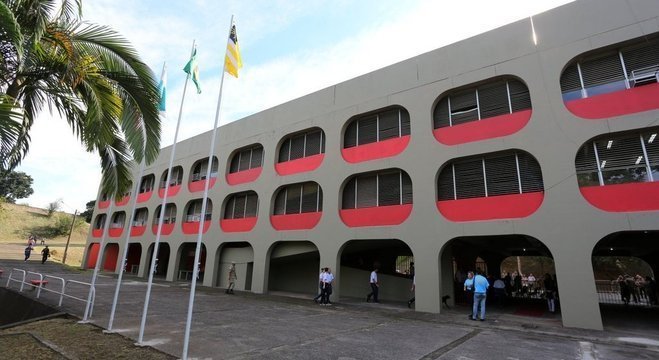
570,79
520,98
367,130
602,70
310,197
389,189
530,174
493,100
501,175
313,144
284,150
297,147
445,184
440,115
348,201
641,56
367,191
469,182
389,126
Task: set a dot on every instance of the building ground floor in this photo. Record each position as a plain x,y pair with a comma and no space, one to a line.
292,266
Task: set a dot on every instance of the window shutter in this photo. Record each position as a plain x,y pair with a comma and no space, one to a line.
389,189
493,99
570,79
367,130
244,159
623,153
239,211
283,150
309,197
313,143
366,191
389,125
407,189
293,199
652,148
349,195
280,202
228,209
257,157
297,147
251,205
602,70
404,122
170,212
585,161
209,209
520,99
530,173
641,56
350,136
463,107
445,184
469,182
440,115
501,175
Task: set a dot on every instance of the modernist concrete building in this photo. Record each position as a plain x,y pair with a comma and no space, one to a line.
490,147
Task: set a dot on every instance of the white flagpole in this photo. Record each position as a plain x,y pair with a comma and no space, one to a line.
91,295
161,219
202,218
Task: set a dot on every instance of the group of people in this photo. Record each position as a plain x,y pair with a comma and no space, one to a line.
637,288
31,242
325,280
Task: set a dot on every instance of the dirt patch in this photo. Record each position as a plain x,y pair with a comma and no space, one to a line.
64,338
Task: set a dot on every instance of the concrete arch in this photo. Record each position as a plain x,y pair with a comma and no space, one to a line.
240,253
184,265
162,260
358,257
293,267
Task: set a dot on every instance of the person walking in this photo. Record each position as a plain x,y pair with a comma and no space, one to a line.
480,294
550,293
468,288
232,278
327,287
375,287
45,254
27,252
413,299
320,286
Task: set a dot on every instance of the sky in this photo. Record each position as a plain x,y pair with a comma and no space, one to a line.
289,48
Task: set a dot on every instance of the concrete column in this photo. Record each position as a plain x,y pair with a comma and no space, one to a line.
174,260
427,266
261,269
143,270
209,266
576,287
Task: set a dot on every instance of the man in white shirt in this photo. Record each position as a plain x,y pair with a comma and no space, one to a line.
320,285
327,280
375,287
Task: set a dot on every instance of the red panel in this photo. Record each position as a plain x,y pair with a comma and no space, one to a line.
166,229
97,232
488,128
302,221
199,185
172,191
623,197
111,256
92,254
193,227
115,232
123,201
376,216
376,150
238,225
244,176
137,230
617,103
304,164
491,208
145,196
103,204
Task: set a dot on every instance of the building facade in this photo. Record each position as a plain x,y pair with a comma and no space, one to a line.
487,148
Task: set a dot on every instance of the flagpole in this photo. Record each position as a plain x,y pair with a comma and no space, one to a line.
195,271
126,242
161,219
101,245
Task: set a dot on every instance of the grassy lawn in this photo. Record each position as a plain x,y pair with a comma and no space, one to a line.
17,222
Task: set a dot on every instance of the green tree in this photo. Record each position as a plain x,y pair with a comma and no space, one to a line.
88,73
89,211
54,206
15,185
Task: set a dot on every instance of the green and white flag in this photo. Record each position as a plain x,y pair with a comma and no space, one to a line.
192,68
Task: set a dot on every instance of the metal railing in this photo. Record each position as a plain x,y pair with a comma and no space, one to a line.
645,75
610,292
42,279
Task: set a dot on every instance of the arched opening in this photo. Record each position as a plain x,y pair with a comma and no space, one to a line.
240,254
110,257
519,268
133,258
625,265
162,260
394,261
186,254
294,267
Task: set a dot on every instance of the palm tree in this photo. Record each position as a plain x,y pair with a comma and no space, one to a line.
88,73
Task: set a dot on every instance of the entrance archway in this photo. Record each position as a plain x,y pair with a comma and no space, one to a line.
185,266
242,255
162,260
294,267
625,265
133,258
110,257
392,257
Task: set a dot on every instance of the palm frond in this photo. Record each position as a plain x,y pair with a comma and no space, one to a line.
115,167
14,141
10,30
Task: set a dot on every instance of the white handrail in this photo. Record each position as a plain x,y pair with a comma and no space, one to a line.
61,293
22,281
40,281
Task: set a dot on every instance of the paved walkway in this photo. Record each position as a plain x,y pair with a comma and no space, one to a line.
250,326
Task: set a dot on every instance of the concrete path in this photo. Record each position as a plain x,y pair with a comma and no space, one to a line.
250,326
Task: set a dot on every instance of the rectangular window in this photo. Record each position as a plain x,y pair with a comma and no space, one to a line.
310,197
297,147
367,130
350,137
293,199
622,160
501,175
245,159
284,150
469,181
464,107
349,194
493,99
280,203
367,194
313,144
389,124
251,205
257,157
239,209
389,189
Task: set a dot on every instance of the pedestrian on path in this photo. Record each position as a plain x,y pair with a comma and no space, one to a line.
480,294
328,278
320,286
232,278
375,287
413,299
28,251
45,254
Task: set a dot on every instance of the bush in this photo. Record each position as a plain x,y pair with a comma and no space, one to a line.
54,206
62,224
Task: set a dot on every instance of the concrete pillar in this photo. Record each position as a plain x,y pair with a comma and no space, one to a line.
212,254
174,260
144,261
261,269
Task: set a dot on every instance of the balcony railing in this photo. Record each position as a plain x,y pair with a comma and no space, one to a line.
645,75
